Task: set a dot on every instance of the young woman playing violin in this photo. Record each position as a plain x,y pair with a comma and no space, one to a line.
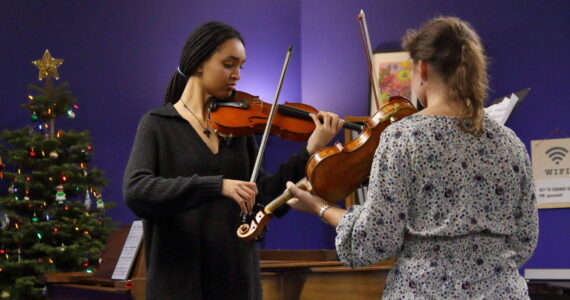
451,191
189,187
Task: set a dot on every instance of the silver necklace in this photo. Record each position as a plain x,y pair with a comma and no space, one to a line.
206,129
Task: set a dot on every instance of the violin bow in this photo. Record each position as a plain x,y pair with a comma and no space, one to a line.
271,115
368,53
274,106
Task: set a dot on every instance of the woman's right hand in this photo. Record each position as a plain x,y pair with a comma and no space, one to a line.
242,192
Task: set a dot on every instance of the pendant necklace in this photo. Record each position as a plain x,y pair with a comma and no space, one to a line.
206,129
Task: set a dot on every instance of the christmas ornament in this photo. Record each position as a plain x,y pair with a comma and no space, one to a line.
85,155
87,201
47,66
1,168
53,155
100,204
60,194
70,114
11,189
26,198
5,295
62,248
32,152
4,220
34,116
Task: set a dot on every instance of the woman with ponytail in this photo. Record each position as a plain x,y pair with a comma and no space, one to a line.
189,186
451,191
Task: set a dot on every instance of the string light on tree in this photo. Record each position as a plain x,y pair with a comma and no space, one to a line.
2,165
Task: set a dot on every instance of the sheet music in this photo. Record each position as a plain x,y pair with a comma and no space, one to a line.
501,111
129,252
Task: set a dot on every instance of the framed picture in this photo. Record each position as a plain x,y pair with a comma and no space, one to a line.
394,70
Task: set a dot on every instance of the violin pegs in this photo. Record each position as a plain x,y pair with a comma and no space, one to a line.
243,229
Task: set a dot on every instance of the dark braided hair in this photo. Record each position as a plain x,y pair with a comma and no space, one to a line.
454,50
199,47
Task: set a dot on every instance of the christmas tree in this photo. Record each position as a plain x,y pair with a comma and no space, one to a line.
47,220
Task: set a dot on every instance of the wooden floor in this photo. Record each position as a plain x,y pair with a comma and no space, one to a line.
286,275
310,274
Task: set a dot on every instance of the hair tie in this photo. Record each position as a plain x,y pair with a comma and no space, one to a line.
180,72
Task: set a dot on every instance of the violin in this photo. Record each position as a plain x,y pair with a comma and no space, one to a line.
336,171
245,114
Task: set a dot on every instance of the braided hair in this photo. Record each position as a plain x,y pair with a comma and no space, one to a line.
199,47
455,51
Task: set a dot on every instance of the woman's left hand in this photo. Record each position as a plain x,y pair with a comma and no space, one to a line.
324,132
303,200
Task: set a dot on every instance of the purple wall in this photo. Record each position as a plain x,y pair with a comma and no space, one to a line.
119,56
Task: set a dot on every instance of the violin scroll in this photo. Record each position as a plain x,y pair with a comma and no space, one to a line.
254,226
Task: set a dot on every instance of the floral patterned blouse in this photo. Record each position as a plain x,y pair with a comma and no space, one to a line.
458,210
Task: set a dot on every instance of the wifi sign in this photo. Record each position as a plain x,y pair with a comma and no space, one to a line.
556,154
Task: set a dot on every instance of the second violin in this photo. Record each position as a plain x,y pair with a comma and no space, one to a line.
336,171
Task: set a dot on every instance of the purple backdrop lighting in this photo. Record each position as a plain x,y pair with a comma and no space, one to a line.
119,57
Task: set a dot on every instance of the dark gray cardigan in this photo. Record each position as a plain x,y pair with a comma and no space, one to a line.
174,182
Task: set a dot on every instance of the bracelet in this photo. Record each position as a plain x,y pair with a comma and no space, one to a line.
322,212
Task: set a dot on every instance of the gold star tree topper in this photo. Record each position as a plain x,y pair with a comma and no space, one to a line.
47,66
